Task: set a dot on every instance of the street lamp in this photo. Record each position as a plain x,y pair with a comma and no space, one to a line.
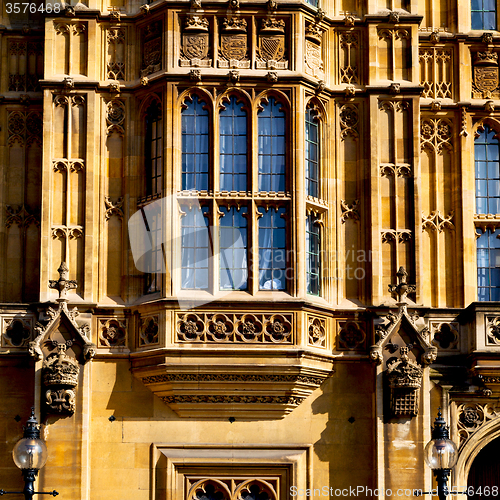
441,455
30,455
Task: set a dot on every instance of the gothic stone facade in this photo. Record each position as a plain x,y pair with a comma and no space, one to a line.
355,139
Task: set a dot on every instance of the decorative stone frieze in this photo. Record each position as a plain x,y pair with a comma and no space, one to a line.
492,330
230,327
436,222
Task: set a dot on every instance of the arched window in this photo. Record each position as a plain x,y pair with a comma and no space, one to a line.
272,147
195,157
233,147
312,153
487,166
313,249
486,155
153,149
483,14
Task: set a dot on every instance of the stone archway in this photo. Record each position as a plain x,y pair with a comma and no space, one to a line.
484,473
471,449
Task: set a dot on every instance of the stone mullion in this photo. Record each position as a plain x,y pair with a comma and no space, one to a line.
47,265
298,206
253,224
338,238
416,178
394,202
468,208
374,204
90,244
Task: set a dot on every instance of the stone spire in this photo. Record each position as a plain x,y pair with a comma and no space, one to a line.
402,289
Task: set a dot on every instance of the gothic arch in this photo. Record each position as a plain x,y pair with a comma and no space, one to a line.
318,106
279,96
242,97
146,103
202,95
493,123
472,447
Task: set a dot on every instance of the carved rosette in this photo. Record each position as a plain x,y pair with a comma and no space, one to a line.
472,417
148,331
317,331
195,48
233,45
112,332
272,45
115,117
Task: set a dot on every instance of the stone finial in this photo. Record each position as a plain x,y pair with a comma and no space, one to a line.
402,289
63,284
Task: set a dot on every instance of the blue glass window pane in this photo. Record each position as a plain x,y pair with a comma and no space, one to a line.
480,151
492,152
482,205
493,206
477,21
476,4
483,294
495,294
489,5
493,170
493,188
489,21
481,188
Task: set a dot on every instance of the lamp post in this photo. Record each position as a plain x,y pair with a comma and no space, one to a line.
30,455
441,455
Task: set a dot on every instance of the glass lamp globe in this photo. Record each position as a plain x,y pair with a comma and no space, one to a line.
30,453
441,454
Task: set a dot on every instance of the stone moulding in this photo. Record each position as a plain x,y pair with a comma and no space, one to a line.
251,384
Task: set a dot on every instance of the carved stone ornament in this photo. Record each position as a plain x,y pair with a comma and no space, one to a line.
349,211
112,332
317,331
271,45
405,379
195,43
393,323
472,417
16,331
485,85
351,336
63,345
402,289
313,54
60,377
151,52
233,48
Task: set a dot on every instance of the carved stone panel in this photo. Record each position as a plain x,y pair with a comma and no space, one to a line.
233,45
349,63
351,336
115,68
313,51
151,48
148,331
317,330
195,48
271,48
26,63
485,84
112,332
16,331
